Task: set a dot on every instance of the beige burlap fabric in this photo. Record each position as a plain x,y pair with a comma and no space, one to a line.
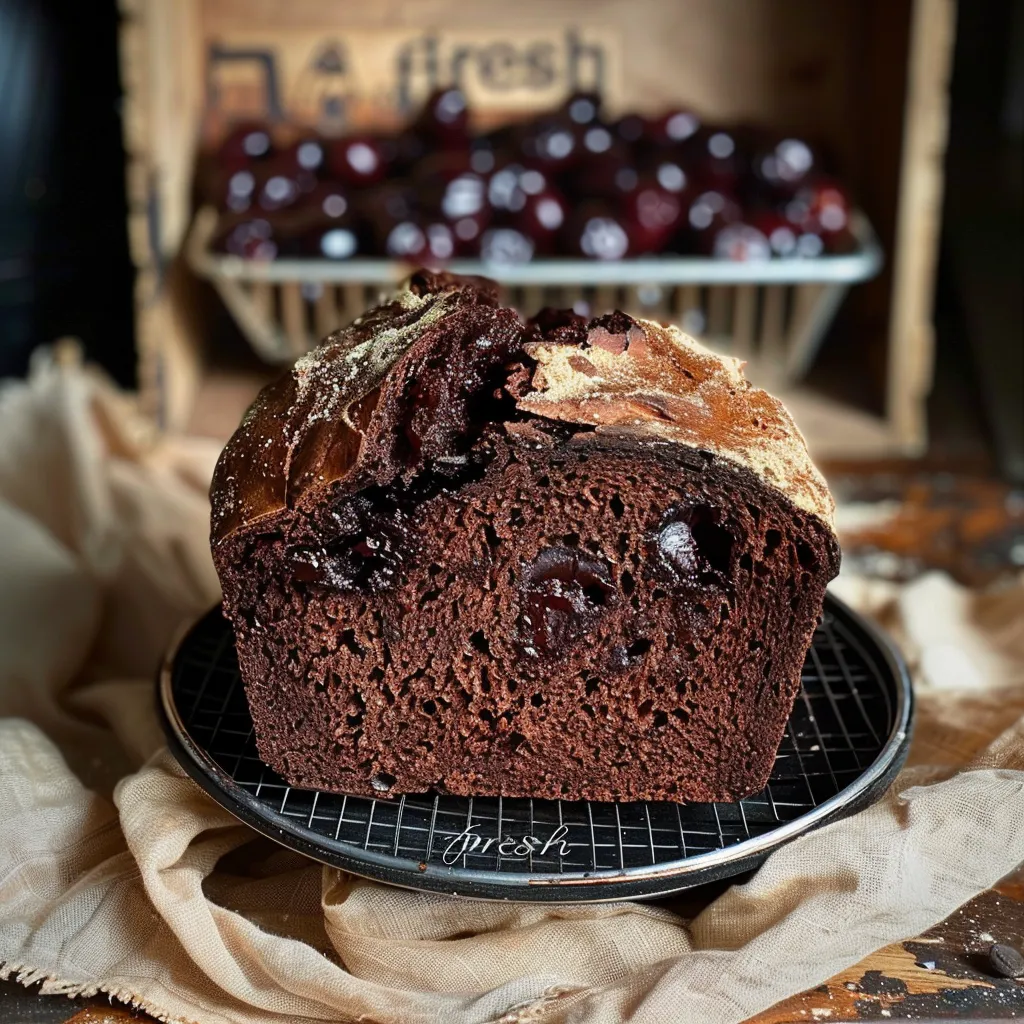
117,874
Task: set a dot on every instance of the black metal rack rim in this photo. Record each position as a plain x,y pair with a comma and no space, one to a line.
607,885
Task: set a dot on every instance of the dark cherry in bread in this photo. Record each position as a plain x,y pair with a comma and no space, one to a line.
557,559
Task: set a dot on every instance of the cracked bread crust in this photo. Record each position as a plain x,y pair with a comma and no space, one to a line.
452,575
334,419
627,371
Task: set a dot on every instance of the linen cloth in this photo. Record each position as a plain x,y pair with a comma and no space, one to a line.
118,874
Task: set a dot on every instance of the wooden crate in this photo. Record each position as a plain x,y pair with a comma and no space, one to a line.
866,77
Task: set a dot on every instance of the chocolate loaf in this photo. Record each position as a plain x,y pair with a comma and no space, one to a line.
565,559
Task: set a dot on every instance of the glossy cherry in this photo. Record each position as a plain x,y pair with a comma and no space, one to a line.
360,160
267,186
654,214
566,591
251,237
609,175
741,243
459,195
420,240
780,232
506,244
509,187
444,118
821,205
244,144
307,155
278,186
695,548
712,210
543,216
553,144
672,127
631,129
717,156
599,231
784,166
670,170
322,224
380,209
583,108
234,190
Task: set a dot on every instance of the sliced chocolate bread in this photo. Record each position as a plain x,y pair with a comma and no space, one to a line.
556,559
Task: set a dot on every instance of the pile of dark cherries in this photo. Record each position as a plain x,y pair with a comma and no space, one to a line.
565,183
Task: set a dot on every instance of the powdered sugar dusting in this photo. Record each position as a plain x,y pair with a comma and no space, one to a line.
672,386
256,474
308,429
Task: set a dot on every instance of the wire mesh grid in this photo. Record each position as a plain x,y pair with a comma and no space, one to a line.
847,720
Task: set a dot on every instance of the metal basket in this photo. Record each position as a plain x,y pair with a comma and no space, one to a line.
845,740
773,314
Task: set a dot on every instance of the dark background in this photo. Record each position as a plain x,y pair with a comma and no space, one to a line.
64,265
65,270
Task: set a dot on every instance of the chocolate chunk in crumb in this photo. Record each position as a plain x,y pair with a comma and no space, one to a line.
1005,961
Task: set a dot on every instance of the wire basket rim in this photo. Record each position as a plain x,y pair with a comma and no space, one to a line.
846,268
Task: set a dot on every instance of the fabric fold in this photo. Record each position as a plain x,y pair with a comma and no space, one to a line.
118,874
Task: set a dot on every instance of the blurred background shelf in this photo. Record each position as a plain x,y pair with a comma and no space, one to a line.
867,79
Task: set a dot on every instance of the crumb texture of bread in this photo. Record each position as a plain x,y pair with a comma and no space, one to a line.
470,555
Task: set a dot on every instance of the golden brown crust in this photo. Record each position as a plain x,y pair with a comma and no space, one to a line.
656,378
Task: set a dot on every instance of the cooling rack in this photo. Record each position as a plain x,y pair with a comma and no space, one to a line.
844,743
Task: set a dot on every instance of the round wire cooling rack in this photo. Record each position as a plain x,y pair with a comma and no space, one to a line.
844,743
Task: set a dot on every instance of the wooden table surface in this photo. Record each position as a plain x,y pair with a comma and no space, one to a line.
941,975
